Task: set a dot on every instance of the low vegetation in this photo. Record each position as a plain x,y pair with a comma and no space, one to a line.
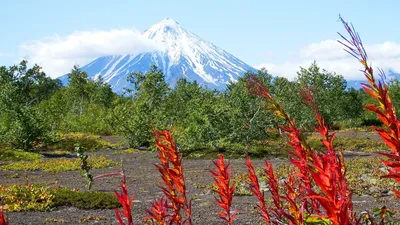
30,197
59,165
84,199
88,142
17,155
38,197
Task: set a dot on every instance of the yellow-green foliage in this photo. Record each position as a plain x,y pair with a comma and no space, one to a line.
25,198
351,144
89,142
125,151
59,165
37,197
16,154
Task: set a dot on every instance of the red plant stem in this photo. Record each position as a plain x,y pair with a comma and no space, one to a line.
172,174
300,153
123,198
158,215
328,172
255,189
325,170
222,177
3,219
385,109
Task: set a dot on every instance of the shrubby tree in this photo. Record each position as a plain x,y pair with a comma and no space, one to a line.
247,119
83,106
21,90
136,117
329,89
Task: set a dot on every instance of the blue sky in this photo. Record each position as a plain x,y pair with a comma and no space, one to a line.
280,35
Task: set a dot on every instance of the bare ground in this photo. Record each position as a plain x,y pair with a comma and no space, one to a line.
143,180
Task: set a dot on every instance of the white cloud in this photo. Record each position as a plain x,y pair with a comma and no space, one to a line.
329,55
58,54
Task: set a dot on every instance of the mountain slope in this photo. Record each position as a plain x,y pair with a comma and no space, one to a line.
183,54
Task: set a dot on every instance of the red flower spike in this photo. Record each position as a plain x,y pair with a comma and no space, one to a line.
255,189
3,218
222,177
385,110
123,198
324,170
172,174
158,214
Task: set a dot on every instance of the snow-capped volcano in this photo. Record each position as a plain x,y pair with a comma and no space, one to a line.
181,54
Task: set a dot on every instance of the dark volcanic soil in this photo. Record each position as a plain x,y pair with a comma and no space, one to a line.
143,180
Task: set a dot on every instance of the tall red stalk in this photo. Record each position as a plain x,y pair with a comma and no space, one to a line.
222,178
172,174
158,214
3,218
256,190
123,198
325,170
329,173
384,110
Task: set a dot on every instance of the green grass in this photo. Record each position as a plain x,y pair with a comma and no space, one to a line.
16,155
59,165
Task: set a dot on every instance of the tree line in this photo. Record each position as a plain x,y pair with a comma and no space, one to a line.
35,108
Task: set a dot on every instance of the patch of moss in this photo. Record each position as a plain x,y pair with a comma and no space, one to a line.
125,151
85,199
59,165
350,144
16,155
53,220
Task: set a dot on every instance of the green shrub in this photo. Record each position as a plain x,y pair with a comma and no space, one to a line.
85,200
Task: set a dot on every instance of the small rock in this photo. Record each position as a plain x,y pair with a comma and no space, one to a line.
264,186
374,189
383,170
373,181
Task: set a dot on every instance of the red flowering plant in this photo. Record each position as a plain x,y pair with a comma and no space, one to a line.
174,190
3,218
123,197
318,192
222,178
385,110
